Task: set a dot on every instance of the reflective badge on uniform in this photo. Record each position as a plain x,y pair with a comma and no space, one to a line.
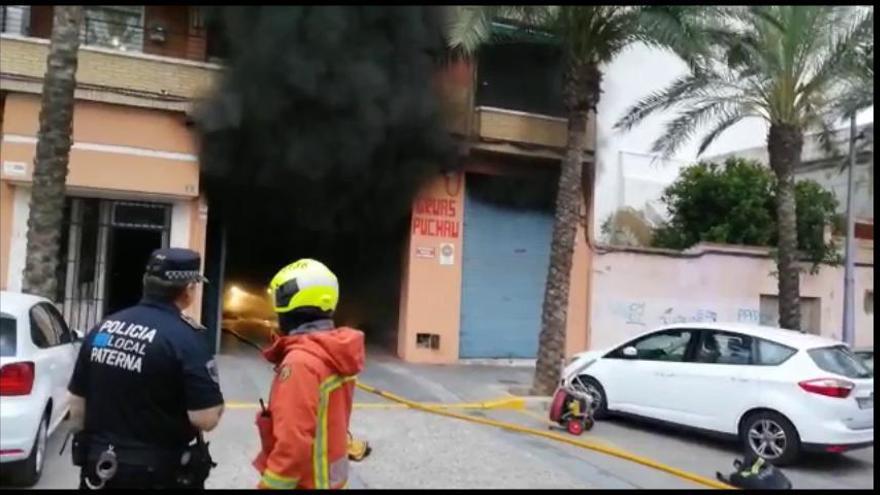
212,371
284,373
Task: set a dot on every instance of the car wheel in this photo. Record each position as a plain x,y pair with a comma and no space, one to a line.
599,403
771,436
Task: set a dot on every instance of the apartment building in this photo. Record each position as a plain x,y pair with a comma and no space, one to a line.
477,254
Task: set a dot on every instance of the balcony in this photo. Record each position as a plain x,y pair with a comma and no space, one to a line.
170,31
160,66
495,105
163,57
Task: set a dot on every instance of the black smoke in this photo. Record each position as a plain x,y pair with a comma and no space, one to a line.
323,128
326,117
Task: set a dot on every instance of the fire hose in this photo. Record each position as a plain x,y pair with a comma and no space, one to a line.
702,480
604,449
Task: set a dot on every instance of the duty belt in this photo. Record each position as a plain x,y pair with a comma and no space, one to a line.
140,456
105,469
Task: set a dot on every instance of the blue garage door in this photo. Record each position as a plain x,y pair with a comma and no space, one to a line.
506,253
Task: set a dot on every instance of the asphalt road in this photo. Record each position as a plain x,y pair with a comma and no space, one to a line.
413,449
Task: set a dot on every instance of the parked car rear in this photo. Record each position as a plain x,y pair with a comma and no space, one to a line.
37,355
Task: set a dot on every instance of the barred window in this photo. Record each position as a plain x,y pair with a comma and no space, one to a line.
114,26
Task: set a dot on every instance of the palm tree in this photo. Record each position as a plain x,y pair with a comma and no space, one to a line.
589,36
784,64
53,149
858,92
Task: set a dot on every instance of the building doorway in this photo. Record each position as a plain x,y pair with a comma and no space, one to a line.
130,249
105,247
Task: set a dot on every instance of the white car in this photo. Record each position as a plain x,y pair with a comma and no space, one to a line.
778,391
37,355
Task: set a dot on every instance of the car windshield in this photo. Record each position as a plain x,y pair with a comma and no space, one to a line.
840,360
7,335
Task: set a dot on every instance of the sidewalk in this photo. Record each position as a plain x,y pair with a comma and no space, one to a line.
414,449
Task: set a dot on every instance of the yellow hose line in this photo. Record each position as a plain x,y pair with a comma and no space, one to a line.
701,480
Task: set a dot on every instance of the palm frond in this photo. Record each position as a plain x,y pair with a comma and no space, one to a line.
840,53
682,87
767,14
468,27
683,30
730,119
826,138
679,130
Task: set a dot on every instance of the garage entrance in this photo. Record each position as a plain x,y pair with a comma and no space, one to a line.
508,225
258,243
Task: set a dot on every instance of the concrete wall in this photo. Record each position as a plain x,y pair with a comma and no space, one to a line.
638,289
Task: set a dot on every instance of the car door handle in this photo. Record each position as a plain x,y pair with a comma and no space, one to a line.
660,373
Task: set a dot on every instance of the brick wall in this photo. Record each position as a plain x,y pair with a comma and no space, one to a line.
109,69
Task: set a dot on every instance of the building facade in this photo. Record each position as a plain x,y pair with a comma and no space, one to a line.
478,250
133,182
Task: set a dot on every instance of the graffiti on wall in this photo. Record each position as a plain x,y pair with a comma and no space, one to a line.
650,313
671,315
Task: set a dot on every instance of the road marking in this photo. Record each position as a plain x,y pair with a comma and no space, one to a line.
532,414
510,403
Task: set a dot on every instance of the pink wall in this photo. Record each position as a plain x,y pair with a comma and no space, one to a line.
144,154
430,300
636,290
431,291
143,151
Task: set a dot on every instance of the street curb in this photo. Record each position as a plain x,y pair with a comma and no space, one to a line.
511,363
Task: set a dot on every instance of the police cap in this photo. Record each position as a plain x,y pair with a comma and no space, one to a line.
175,265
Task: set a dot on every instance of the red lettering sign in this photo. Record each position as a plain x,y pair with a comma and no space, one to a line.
435,207
433,227
424,222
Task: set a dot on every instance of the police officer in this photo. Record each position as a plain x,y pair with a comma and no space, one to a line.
145,387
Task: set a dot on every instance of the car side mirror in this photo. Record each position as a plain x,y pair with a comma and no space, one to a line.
630,352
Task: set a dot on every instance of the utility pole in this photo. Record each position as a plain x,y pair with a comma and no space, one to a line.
849,263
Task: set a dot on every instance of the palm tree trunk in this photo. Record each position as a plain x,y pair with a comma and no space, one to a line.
784,144
53,149
581,93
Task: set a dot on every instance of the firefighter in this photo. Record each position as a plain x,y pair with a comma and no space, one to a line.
304,431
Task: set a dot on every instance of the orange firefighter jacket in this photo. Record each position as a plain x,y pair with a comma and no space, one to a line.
305,437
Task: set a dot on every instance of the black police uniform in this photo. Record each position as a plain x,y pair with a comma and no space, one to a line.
140,370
